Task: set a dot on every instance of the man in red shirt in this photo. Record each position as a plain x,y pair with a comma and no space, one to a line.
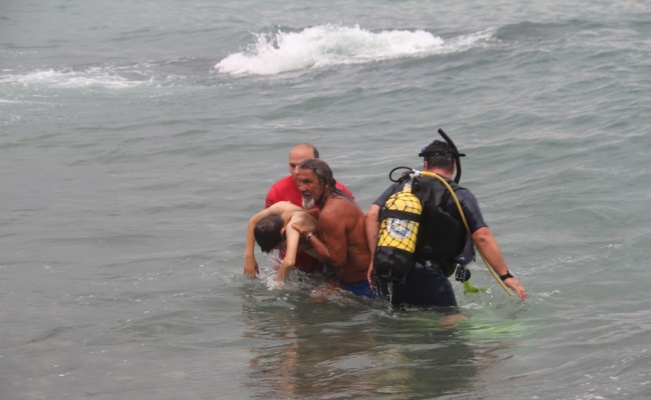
286,189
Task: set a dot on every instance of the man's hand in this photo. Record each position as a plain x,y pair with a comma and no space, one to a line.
300,229
369,275
514,284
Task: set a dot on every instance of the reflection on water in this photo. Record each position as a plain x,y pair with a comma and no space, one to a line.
348,348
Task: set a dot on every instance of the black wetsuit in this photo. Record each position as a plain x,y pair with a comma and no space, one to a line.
429,285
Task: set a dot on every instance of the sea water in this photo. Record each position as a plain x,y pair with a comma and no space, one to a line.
138,138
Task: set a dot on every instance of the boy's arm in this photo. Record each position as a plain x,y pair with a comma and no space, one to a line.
292,236
250,264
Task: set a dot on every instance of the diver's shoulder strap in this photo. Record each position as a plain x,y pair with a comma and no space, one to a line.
433,191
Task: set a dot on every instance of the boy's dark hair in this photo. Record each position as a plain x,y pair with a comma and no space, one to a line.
267,233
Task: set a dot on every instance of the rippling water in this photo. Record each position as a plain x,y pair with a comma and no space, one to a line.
137,139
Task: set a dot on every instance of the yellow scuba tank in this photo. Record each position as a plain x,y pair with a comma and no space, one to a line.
399,223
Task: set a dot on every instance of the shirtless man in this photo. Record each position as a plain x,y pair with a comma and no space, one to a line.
270,227
341,238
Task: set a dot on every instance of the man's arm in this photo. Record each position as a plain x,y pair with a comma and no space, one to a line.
333,242
372,228
488,247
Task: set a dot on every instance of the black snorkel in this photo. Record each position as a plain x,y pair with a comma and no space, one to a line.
455,153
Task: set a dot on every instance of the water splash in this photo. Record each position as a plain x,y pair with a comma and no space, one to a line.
326,45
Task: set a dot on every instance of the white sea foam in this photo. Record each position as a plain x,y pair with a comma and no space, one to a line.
100,77
325,45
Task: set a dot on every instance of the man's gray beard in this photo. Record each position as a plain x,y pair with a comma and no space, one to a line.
307,204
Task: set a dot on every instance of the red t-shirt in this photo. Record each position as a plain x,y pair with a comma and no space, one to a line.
286,189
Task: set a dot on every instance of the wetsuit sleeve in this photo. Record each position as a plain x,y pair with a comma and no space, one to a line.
471,209
385,196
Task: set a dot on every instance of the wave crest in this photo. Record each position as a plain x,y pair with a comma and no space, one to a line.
327,45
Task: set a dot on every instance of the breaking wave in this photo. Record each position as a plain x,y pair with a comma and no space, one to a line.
327,45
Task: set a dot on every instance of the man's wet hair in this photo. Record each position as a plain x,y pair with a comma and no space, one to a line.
322,171
438,154
267,233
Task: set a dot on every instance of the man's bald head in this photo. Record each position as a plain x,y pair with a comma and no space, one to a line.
300,153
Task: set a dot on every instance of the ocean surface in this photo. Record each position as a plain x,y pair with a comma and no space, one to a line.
138,137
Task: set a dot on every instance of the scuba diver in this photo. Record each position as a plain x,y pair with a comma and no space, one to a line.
421,230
